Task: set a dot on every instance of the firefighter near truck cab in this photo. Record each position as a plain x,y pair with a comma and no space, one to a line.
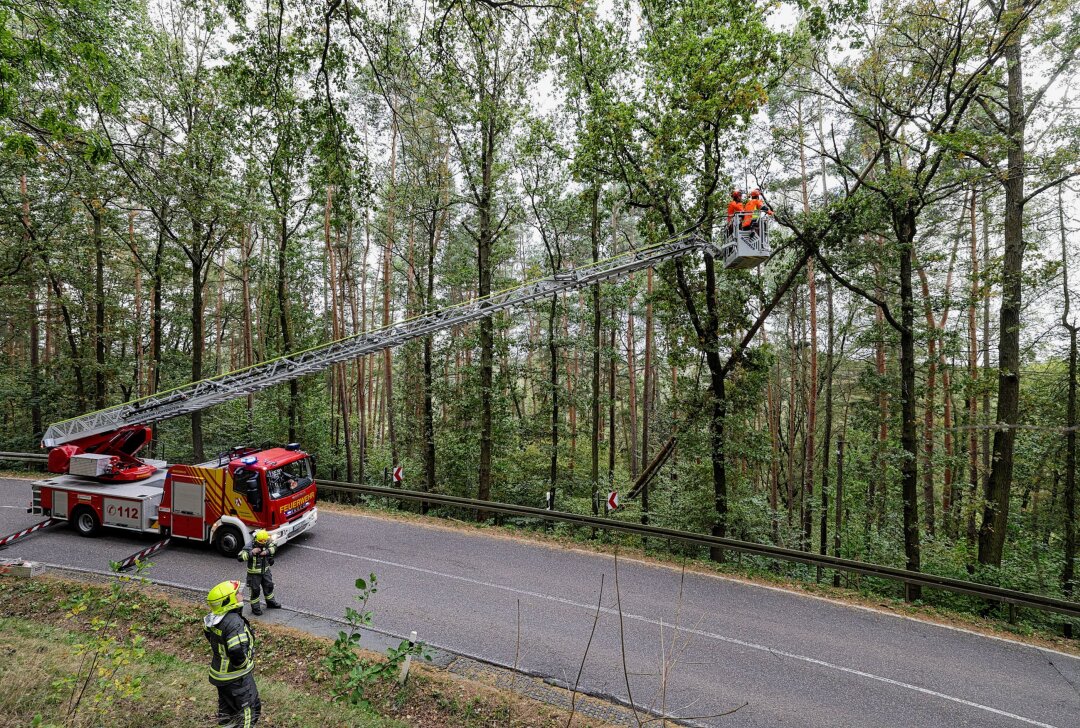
101,482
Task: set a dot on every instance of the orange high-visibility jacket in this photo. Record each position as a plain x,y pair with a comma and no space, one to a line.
752,205
733,208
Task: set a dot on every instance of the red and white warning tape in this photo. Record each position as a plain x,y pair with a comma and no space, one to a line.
26,531
148,551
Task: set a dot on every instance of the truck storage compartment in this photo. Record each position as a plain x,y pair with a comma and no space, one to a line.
90,465
137,514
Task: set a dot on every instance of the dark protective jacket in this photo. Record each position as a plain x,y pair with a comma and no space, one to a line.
259,558
232,646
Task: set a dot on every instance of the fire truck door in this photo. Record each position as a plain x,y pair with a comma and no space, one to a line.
188,504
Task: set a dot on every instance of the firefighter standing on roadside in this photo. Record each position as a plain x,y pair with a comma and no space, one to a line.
232,648
259,555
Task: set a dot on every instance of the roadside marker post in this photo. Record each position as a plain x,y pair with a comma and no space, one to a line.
403,676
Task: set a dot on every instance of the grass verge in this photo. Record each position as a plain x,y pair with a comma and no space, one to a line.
44,621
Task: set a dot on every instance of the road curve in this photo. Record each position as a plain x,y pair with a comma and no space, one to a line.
787,659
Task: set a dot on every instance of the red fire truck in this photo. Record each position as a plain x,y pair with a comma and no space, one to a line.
223,501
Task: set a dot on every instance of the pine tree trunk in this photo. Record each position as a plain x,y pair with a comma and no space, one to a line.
791,414
283,317
156,315
811,411
827,435
612,358
388,368
908,436
1068,574
219,315
971,532
631,381
137,313
999,481
36,420
875,501
774,444
928,418
553,365
99,306
485,245
246,250
647,402
594,234
973,371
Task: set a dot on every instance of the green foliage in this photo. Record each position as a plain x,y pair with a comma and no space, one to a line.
352,674
108,653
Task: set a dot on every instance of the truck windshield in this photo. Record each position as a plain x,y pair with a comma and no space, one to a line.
288,479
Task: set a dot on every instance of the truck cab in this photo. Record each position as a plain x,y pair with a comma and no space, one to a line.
226,500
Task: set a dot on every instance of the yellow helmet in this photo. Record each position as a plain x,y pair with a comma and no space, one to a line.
262,536
225,597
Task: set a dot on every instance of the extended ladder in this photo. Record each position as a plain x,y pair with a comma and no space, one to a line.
232,385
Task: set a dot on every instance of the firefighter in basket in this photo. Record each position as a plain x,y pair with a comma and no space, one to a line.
232,661
259,555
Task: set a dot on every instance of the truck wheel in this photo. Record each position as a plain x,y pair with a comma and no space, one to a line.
85,521
228,541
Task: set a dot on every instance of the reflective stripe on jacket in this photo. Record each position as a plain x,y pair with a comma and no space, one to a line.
753,206
232,646
258,563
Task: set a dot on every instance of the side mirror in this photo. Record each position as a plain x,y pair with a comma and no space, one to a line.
313,464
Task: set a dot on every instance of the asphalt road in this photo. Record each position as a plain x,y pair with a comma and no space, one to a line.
788,659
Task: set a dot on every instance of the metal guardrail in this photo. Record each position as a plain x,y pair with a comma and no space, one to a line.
29,457
958,586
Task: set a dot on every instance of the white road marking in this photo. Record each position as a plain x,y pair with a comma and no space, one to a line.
700,633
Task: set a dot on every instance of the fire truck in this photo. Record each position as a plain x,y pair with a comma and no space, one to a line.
102,482
222,502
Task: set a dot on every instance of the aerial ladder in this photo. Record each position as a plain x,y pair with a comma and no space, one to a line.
103,482
198,396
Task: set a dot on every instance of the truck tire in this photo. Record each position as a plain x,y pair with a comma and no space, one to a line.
228,541
85,522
